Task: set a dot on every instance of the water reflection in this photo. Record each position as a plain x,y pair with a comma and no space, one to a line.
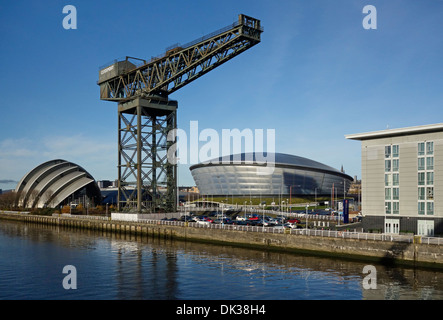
119,266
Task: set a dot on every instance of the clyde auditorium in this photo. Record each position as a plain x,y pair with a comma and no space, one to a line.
292,175
54,182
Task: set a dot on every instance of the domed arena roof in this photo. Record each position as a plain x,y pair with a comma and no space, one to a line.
52,182
277,159
242,174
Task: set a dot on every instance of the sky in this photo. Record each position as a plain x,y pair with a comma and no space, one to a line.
317,75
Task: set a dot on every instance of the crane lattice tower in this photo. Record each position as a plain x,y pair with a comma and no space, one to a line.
147,181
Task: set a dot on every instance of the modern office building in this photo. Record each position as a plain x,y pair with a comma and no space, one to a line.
288,175
402,179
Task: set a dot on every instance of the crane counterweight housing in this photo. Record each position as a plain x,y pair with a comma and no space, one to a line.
147,182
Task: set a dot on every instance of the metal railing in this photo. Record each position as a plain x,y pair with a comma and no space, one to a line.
305,232
75,216
274,230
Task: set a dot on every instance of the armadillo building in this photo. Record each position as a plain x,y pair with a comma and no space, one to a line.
55,182
247,174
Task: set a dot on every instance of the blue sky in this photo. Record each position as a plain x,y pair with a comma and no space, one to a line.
316,76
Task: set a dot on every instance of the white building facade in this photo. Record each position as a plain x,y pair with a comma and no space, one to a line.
402,180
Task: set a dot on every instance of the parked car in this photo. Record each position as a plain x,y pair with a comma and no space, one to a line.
293,220
203,222
281,226
225,221
240,222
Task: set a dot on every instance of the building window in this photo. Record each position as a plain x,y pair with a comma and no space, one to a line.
421,148
387,165
421,163
421,178
395,193
421,207
429,148
387,151
395,150
429,207
430,163
388,207
388,180
430,178
430,193
387,193
425,166
396,207
421,193
395,165
392,194
395,179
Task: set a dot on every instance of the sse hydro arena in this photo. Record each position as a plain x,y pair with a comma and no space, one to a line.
240,175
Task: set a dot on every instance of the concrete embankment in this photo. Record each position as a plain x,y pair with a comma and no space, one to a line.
402,253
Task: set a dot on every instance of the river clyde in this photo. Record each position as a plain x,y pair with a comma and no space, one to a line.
40,262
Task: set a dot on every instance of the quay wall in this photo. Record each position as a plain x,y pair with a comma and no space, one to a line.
389,252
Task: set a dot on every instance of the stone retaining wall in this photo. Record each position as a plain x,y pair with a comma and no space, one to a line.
415,254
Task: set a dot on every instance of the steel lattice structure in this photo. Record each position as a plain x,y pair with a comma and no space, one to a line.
146,180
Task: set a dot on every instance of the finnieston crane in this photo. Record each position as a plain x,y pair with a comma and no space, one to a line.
147,182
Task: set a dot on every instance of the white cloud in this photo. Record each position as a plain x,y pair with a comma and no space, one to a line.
97,155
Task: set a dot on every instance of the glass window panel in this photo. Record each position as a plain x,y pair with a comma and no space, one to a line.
430,207
421,163
388,207
430,177
430,193
430,147
388,179
395,193
421,148
430,163
395,150
388,194
395,179
396,207
395,165
421,193
387,165
387,151
421,208
421,178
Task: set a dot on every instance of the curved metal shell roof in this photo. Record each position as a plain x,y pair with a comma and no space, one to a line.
50,183
277,159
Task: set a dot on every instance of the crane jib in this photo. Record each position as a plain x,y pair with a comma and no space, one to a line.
180,65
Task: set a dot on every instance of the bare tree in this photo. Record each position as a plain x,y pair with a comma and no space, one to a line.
8,200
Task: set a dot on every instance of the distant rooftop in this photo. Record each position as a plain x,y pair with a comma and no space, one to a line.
396,132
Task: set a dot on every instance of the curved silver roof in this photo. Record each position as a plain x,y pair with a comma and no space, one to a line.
277,159
50,183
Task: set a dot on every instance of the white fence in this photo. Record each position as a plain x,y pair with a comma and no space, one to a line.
306,232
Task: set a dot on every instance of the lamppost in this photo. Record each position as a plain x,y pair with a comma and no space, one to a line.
290,194
307,206
263,223
315,199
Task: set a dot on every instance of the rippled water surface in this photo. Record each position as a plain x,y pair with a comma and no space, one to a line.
110,266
